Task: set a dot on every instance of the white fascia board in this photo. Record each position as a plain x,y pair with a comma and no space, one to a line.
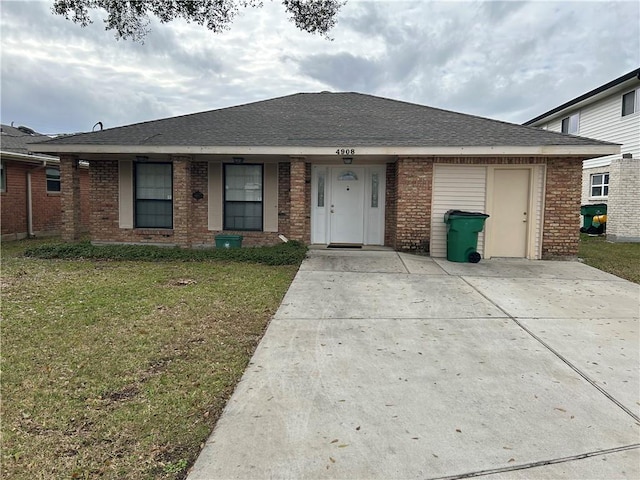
27,158
351,151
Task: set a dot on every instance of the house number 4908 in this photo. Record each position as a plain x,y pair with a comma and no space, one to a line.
346,151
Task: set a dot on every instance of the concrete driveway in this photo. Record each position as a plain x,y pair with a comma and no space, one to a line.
381,365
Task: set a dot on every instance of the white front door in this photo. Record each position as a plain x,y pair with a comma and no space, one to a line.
346,211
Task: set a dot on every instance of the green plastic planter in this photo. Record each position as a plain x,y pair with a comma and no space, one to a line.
228,241
462,235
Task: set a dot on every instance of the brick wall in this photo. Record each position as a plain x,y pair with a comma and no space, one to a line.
390,206
623,212
46,207
562,202
300,198
414,179
284,198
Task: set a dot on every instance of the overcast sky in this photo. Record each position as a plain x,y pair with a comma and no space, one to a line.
505,60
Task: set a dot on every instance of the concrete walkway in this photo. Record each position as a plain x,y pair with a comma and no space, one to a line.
381,365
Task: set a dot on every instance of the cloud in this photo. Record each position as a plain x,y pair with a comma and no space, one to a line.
504,60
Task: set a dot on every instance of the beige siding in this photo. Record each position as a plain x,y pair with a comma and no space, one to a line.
125,194
215,196
270,197
460,187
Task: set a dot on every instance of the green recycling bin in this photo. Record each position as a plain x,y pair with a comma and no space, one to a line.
228,241
590,211
462,235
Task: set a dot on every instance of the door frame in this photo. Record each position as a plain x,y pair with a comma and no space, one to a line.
535,215
374,218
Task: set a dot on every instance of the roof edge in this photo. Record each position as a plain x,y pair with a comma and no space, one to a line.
590,151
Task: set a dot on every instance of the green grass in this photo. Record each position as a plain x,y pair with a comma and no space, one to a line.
621,259
120,369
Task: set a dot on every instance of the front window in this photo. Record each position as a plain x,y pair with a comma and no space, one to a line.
154,195
630,103
600,185
3,177
53,179
243,197
571,124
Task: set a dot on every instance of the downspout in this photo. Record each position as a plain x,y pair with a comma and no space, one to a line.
30,233
29,207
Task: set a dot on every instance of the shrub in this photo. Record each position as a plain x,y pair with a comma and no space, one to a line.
291,253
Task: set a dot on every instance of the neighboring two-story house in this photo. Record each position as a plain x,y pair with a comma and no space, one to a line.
611,112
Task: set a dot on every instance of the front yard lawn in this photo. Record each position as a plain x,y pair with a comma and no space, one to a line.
120,369
621,259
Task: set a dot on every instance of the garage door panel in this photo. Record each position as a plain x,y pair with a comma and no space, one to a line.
460,187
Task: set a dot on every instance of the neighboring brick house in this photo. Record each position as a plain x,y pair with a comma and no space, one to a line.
30,187
329,169
610,112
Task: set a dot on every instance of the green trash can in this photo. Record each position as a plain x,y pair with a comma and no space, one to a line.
228,241
590,211
462,235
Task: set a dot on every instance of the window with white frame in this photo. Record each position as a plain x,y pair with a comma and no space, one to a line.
53,179
153,195
571,124
243,197
630,102
600,185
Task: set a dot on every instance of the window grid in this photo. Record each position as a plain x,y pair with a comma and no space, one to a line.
600,185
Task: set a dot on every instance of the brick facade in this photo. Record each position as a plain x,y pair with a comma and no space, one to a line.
391,196
414,179
408,204
623,223
284,198
562,202
300,197
45,206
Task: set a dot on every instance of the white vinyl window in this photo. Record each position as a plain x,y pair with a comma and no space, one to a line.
571,124
630,102
600,185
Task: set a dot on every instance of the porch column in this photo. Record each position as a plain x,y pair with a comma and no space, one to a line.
70,198
299,220
181,199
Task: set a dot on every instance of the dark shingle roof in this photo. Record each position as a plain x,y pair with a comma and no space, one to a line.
13,139
326,119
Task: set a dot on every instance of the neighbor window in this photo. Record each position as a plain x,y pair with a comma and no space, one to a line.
3,177
571,123
243,197
53,179
630,103
154,195
600,185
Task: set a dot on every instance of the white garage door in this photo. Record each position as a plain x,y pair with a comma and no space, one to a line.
459,187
